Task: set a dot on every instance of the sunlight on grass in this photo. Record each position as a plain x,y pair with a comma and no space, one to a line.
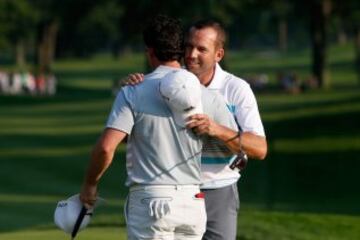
47,121
102,62
96,84
48,131
45,152
78,106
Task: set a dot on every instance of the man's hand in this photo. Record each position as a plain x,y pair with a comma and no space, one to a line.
201,124
88,196
133,79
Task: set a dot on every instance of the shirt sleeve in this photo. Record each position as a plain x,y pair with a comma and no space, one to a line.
246,111
121,116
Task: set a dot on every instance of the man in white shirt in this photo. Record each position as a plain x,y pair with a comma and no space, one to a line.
204,49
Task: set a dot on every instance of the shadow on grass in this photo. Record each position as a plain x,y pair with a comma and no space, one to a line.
305,178
323,183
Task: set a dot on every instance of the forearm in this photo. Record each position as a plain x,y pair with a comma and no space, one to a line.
100,161
229,137
253,145
101,158
102,155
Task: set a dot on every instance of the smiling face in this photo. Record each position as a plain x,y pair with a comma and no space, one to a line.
202,52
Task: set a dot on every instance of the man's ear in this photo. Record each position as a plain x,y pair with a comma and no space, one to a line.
150,52
220,52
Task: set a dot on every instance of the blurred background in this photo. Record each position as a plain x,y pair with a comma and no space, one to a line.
61,63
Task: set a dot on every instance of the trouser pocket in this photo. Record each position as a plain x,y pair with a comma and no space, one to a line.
158,207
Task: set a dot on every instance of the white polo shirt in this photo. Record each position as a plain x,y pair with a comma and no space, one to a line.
242,104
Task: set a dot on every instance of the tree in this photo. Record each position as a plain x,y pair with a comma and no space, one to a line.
82,31
98,26
349,13
17,21
282,9
320,13
50,13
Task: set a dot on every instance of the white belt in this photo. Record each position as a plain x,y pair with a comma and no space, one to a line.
175,187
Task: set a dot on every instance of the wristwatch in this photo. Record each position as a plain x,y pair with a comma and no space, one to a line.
239,162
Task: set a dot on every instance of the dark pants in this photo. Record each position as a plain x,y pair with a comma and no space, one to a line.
222,207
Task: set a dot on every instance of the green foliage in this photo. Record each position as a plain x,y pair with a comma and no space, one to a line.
17,21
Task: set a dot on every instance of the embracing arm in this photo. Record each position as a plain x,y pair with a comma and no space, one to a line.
101,158
253,145
133,79
202,124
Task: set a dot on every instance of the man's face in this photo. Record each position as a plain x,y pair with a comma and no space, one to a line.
202,53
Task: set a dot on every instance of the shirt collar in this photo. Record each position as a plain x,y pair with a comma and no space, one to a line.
163,68
218,78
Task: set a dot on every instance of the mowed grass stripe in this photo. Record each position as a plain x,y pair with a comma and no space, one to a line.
30,121
317,145
28,198
45,151
311,112
63,107
310,97
50,131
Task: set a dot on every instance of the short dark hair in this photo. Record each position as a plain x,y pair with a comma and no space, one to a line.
211,23
166,36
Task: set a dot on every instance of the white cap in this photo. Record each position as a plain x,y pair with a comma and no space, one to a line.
182,92
67,212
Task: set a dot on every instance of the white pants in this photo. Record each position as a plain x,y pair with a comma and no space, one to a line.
167,212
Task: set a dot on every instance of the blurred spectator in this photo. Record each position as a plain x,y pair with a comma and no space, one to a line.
40,84
28,83
25,83
51,84
290,82
258,82
4,82
16,84
310,83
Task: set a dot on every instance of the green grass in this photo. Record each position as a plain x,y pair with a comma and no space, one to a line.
307,188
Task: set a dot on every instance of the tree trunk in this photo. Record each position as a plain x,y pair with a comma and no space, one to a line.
20,53
283,35
357,52
320,12
341,36
46,45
